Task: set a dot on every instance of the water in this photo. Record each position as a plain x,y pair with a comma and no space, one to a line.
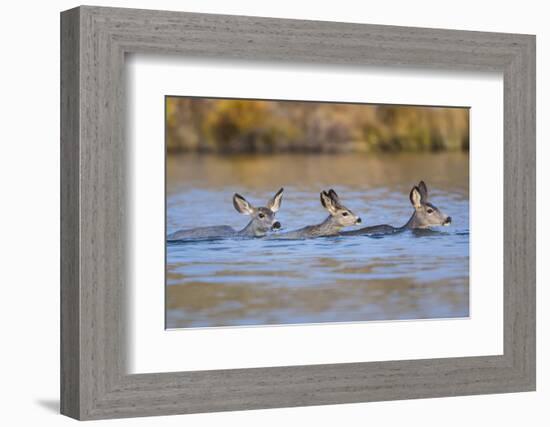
232,282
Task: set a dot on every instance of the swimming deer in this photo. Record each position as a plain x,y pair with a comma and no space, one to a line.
425,215
339,217
262,221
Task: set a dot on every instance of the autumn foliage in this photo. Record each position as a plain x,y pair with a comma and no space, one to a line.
209,125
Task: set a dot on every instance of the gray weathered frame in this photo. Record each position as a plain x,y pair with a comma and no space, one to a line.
94,41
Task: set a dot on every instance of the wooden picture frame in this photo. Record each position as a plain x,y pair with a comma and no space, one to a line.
94,382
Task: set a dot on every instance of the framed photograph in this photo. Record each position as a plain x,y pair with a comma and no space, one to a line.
262,213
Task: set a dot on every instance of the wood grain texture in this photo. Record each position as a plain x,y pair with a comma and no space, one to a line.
70,291
95,275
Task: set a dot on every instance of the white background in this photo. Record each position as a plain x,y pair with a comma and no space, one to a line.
29,212
153,349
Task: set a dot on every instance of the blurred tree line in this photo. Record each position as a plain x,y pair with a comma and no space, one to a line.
246,126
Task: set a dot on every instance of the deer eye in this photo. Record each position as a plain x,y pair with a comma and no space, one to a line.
430,210
344,214
261,215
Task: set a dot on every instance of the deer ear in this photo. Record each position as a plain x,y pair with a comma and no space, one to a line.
332,194
423,188
327,202
242,205
275,203
324,199
415,197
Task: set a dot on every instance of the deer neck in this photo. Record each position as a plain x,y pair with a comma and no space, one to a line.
328,227
250,231
411,224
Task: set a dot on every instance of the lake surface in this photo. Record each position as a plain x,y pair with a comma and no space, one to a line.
235,282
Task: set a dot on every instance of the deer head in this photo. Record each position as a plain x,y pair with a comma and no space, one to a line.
426,214
262,218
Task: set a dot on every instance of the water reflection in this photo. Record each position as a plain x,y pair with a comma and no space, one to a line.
354,278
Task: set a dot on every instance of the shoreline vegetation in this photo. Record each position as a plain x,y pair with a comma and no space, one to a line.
238,126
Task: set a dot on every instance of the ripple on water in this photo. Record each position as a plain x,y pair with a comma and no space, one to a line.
353,278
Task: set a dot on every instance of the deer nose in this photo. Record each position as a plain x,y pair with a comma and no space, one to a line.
276,225
448,220
358,221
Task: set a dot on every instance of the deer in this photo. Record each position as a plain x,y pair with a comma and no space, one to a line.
338,218
425,216
261,222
